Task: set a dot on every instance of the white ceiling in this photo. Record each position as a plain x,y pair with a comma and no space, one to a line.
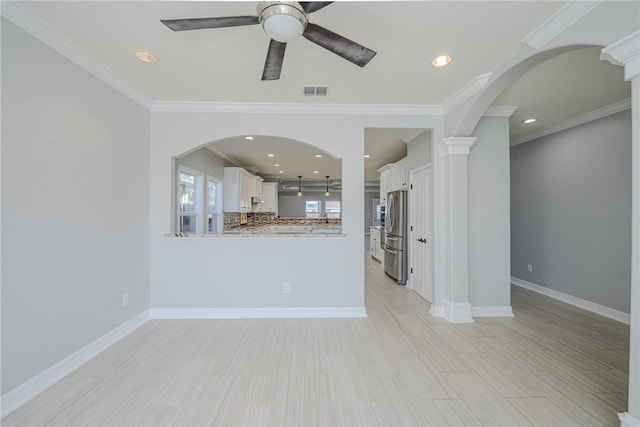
561,88
225,65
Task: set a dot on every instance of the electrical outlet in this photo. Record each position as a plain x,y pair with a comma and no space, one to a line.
125,300
530,268
285,288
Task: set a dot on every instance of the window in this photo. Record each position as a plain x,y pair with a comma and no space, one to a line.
332,208
199,202
214,199
189,201
312,209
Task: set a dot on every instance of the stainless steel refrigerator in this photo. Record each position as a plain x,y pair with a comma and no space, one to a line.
395,236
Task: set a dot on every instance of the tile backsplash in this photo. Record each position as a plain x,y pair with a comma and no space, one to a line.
255,219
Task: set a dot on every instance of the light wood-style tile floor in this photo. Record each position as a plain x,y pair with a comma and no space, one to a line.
553,365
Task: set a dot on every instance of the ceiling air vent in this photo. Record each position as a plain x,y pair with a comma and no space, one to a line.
315,90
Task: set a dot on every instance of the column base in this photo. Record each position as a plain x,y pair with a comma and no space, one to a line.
627,420
459,312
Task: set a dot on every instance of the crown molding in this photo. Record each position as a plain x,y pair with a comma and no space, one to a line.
500,111
576,121
557,23
295,108
465,92
625,52
224,156
413,135
33,25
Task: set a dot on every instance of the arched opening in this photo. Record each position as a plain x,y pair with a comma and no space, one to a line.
570,216
257,184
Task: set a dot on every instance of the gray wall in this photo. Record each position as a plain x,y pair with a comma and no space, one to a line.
75,207
204,160
419,151
489,275
571,211
292,206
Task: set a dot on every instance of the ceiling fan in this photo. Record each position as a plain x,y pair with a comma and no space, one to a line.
283,21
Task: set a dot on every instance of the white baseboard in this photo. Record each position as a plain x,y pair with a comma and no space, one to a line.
570,299
489,311
436,311
459,312
36,385
627,420
256,313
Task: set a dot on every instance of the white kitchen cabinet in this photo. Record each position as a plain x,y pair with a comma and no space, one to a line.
400,175
239,185
270,197
385,182
259,184
257,205
374,244
394,176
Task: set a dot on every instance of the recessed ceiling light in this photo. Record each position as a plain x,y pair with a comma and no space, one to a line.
531,120
145,56
441,61
318,155
248,137
277,165
366,156
281,172
271,155
315,171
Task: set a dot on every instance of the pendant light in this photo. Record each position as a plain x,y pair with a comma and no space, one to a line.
299,185
327,194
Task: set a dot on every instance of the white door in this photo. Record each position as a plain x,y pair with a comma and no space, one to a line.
420,245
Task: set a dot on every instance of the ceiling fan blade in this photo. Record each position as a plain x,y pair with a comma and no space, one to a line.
312,6
349,50
273,63
202,23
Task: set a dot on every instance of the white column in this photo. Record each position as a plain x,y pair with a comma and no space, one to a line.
455,152
627,52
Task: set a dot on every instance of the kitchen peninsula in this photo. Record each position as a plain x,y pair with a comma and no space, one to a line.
267,225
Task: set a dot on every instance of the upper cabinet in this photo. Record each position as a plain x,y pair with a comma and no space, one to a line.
385,182
394,176
239,187
270,197
400,175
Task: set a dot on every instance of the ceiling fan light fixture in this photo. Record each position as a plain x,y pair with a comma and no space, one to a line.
282,21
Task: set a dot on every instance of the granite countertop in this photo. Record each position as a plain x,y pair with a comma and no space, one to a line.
272,230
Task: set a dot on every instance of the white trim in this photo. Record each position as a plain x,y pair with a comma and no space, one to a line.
500,111
570,299
457,145
488,311
625,52
257,313
600,113
224,156
459,312
23,18
296,108
436,311
413,135
626,420
36,385
557,23
473,87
